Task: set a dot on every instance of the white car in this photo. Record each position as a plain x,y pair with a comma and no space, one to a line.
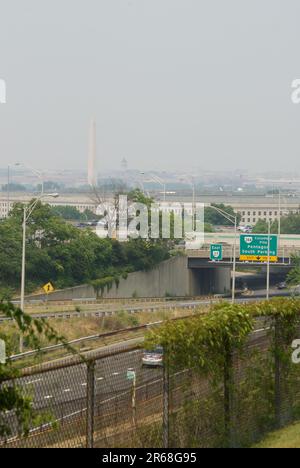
153,358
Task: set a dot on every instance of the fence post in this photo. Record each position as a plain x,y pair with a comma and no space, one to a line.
90,397
278,395
166,401
228,397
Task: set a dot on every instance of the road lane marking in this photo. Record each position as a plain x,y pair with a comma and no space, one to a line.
34,381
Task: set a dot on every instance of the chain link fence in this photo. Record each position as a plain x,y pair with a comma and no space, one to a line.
95,403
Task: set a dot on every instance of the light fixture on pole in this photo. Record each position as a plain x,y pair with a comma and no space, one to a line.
160,181
35,172
191,182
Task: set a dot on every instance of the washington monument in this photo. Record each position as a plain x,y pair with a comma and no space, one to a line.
92,167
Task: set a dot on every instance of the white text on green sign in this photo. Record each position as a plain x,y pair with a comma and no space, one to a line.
216,252
259,245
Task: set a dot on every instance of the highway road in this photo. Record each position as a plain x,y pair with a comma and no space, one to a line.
256,294
62,391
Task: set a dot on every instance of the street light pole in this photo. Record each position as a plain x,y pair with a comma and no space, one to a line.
279,217
162,183
234,261
233,220
8,188
268,263
27,211
23,273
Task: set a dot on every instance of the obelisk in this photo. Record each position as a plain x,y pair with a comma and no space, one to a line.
92,169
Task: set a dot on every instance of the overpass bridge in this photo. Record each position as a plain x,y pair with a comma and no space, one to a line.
207,276
201,257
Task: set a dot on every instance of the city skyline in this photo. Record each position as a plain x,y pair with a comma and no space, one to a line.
205,91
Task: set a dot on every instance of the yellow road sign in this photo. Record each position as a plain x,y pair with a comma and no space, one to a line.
257,258
48,288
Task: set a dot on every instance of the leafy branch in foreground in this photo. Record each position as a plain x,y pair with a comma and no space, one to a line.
12,397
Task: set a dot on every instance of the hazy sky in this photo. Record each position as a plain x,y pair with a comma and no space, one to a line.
172,83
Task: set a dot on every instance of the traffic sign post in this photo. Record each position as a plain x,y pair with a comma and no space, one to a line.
2,352
131,376
216,252
258,248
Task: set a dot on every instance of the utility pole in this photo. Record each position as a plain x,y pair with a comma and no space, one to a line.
27,212
234,261
8,188
268,264
233,220
279,217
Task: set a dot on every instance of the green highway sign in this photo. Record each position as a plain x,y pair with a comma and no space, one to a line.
216,252
254,247
131,375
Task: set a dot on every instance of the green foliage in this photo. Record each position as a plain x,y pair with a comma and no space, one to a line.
211,216
289,225
246,387
208,227
293,277
261,227
200,342
58,252
137,196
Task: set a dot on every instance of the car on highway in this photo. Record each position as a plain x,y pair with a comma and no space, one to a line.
153,358
245,229
282,285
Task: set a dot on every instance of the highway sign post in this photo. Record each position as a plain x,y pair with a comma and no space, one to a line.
2,352
131,376
258,248
216,252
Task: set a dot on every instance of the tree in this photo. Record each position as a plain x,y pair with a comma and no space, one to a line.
289,225
67,212
58,252
212,216
261,227
293,277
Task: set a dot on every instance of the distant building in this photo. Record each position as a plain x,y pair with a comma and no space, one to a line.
80,202
124,164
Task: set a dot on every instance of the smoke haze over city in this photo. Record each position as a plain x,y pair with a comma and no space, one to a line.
171,83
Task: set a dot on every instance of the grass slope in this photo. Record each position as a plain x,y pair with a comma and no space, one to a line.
284,438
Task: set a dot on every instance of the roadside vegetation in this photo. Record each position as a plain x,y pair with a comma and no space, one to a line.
66,256
287,438
250,392
74,328
289,225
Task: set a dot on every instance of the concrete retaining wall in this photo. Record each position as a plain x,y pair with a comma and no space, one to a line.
171,277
